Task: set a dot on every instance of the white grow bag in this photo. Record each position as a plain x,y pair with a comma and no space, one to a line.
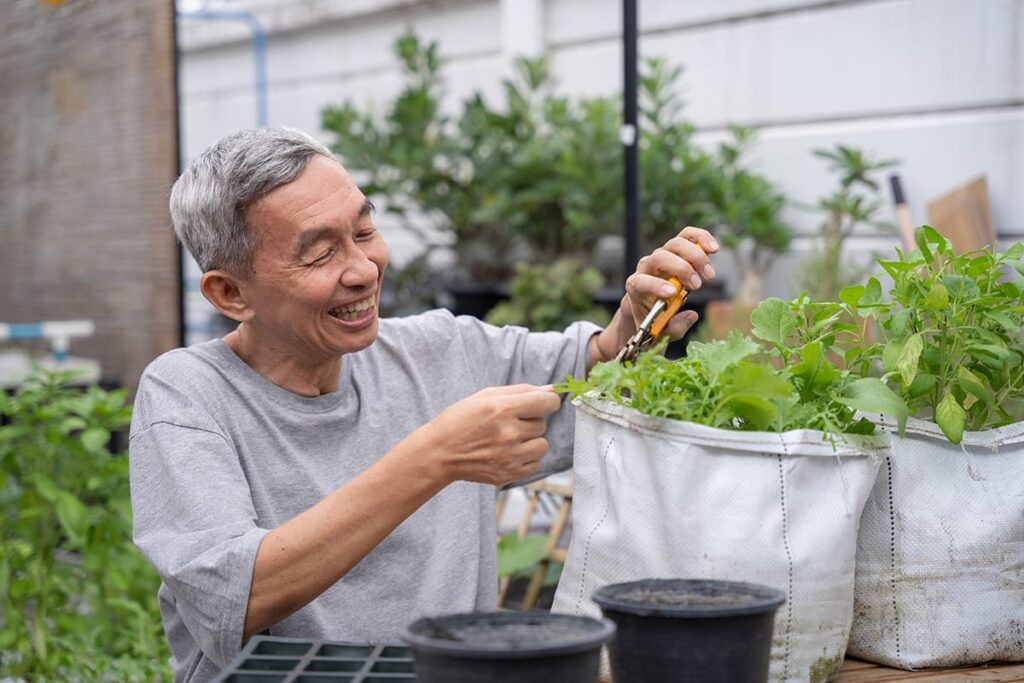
657,498
940,562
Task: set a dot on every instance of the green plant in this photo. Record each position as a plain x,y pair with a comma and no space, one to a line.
953,333
854,202
551,297
517,554
732,384
539,177
78,600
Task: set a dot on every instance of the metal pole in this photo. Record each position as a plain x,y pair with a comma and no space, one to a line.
259,50
629,136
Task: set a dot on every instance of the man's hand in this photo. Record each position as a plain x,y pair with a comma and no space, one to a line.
684,256
495,436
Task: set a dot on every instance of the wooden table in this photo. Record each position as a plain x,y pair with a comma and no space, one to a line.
856,671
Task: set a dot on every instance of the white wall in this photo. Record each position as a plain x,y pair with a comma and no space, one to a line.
938,84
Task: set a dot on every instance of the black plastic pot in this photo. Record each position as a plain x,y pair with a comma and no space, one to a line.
511,647
690,630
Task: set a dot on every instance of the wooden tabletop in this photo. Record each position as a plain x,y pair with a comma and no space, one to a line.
856,671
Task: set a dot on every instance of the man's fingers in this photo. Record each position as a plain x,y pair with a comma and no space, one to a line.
680,323
639,285
534,427
693,255
535,404
701,237
513,389
532,450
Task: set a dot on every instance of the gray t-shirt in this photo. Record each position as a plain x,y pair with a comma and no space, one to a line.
220,455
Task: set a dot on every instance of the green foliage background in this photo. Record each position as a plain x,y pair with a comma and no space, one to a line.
78,600
551,297
541,176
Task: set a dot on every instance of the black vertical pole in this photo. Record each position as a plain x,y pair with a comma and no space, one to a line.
182,336
630,135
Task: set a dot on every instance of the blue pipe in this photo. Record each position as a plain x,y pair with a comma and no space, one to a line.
259,49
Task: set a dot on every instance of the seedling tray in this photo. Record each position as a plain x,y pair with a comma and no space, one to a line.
295,660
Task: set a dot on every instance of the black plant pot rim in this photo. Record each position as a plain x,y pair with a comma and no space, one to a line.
764,599
594,633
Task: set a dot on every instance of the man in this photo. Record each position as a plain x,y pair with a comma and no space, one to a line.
319,472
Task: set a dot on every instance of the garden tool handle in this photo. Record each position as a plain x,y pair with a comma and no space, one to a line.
672,307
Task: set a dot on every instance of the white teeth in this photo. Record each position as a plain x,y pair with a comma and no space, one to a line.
350,309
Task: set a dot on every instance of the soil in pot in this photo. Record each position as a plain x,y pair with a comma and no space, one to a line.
512,647
690,630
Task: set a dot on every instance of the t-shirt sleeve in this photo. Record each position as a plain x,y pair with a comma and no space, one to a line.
514,355
194,518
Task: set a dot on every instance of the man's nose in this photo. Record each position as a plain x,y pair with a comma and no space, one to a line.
361,271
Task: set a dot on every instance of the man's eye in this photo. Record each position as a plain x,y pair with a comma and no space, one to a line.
323,258
368,234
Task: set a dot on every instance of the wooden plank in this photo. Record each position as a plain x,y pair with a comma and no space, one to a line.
855,671
963,216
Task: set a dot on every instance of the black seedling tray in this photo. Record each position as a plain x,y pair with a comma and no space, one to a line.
295,660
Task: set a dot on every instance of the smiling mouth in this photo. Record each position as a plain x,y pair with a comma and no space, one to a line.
354,311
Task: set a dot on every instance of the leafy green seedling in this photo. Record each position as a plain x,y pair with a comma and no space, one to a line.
733,384
953,334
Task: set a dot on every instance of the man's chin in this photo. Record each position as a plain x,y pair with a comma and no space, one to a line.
358,340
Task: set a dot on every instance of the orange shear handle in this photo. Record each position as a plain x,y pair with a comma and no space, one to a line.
672,307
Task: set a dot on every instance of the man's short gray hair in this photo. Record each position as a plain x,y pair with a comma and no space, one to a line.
210,199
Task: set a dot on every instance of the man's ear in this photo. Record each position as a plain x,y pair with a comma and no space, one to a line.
222,290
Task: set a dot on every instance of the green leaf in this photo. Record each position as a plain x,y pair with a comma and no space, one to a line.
961,288
975,387
1015,252
73,516
872,293
851,296
95,439
71,424
938,297
755,379
814,367
899,324
756,410
572,386
1002,319
921,239
871,395
951,418
909,356
921,385
994,351
516,554
719,355
772,321
47,490
926,236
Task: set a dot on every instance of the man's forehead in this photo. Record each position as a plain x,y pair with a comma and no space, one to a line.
322,194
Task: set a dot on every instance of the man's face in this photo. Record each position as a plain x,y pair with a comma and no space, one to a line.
319,263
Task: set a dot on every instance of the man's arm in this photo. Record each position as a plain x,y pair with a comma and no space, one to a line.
495,436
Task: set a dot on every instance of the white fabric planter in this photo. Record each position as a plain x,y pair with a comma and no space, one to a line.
656,498
940,558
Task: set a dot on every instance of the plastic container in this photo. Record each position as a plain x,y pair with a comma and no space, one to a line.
267,659
690,630
511,647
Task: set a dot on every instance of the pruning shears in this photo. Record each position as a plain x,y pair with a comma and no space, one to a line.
654,323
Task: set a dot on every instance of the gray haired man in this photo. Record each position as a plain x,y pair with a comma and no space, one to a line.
319,472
